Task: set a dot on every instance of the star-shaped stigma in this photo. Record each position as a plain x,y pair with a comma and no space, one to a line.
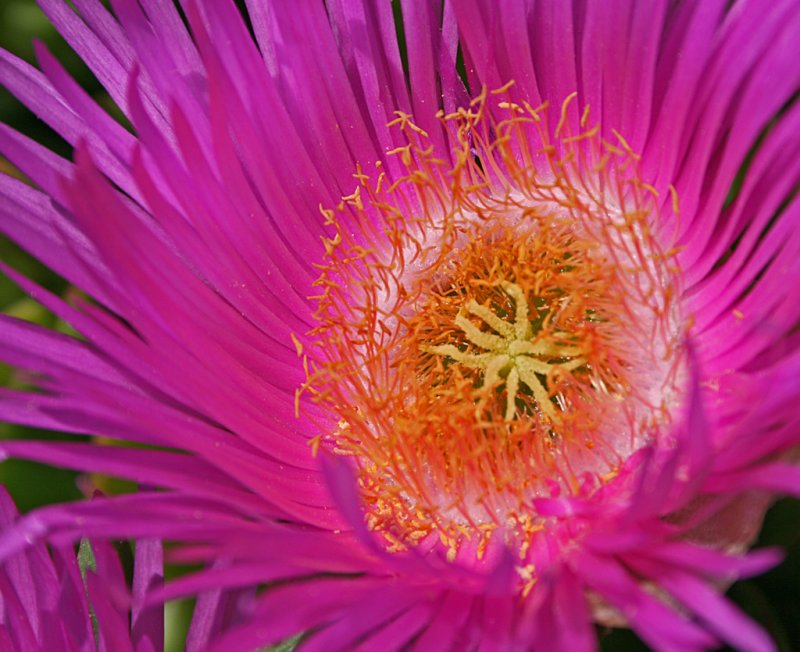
512,356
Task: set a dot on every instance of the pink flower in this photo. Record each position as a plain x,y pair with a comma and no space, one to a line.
469,348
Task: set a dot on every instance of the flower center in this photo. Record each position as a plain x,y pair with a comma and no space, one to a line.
512,355
494,329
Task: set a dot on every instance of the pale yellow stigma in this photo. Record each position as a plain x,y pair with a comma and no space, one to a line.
513,355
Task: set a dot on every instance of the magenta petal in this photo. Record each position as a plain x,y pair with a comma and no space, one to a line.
777,477
48,602
658,625
216,609
445,630
721,617
147,621
289,609
561,619
112,627
399,633
376,618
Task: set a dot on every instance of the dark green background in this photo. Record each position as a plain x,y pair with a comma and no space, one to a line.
771,599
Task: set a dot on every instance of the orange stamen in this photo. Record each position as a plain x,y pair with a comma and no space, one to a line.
493,325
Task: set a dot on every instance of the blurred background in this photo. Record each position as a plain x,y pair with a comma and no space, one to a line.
772,599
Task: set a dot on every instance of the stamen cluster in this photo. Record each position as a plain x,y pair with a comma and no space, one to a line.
493,327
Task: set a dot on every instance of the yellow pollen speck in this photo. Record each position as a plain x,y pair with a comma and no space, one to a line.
527,574
298,345
314,442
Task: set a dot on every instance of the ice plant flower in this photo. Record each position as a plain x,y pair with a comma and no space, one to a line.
443,326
